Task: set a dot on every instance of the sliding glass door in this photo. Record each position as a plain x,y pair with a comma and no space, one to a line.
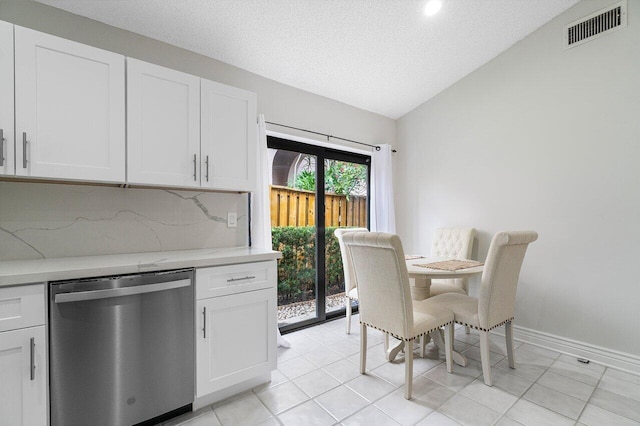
314,190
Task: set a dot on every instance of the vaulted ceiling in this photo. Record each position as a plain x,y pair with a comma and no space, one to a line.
383,56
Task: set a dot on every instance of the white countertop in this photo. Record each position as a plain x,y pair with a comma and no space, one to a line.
34,271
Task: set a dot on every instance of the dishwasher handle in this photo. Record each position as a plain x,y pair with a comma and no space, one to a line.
82,296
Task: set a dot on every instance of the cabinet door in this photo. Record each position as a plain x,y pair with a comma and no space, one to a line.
69,109
23,372
163,125
236,339
229,137
7,160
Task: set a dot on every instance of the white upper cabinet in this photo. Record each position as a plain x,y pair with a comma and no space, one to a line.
7,161
228,143
69,118
69,100
163,126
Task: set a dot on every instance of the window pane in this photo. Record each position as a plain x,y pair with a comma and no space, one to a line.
293,198
345,206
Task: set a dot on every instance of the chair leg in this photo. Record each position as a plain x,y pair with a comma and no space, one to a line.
348,307
484,355
448,346
386,342
465,287
422,345
408,369
363,348
508,332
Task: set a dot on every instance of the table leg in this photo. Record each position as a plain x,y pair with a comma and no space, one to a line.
458,358
393,351
421,288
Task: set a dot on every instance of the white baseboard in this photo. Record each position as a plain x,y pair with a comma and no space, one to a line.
597,354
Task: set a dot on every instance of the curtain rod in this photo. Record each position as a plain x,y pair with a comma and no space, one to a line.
327,136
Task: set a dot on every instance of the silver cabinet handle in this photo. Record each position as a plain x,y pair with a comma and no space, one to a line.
194,166
230,280
80,296
1,147
204,322
206,162
33,358
24,150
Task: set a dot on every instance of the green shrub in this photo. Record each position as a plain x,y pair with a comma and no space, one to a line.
296,269
334,274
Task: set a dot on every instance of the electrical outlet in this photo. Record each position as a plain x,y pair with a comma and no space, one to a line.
232,220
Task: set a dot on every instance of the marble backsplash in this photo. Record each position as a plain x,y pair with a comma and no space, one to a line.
42,220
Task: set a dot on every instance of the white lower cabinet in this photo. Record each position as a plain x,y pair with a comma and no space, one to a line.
23,356
236,333
23,369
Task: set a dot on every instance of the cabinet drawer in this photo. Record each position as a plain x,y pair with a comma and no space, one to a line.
231,279
21,306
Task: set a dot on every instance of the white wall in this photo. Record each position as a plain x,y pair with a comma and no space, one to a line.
546,139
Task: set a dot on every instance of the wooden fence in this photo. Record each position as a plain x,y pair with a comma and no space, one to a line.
295,207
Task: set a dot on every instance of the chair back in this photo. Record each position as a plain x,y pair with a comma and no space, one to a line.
453,243
380,270
349,281
497,299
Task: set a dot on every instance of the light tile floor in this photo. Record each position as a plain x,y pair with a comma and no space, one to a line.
318,383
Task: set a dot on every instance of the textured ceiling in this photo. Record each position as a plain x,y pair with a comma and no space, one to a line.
383,56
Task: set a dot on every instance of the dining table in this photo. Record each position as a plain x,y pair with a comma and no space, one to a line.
422,270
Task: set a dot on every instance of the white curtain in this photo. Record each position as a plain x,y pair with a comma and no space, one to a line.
260,202
383,216
260,214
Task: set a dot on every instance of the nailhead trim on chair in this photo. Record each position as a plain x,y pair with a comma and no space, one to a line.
402,338
485,329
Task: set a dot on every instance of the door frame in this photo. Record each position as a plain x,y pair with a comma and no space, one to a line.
321,153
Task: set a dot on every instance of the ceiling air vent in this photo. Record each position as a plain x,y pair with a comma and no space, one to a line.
596,25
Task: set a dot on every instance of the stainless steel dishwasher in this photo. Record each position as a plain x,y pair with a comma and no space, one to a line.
121,348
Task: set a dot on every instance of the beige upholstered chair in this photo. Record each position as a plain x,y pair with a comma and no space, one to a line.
452,243
380,269
350,285
495,305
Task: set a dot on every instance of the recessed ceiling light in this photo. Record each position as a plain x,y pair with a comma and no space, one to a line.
432,7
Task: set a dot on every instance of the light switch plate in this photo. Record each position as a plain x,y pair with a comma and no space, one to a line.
232,220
